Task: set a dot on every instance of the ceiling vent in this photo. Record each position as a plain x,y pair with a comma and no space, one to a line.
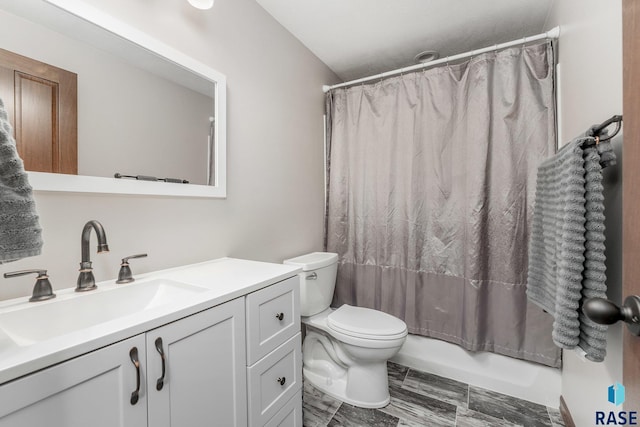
426,56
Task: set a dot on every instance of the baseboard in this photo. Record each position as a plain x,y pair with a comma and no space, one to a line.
566,415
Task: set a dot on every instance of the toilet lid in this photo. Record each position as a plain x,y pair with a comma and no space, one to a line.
366,323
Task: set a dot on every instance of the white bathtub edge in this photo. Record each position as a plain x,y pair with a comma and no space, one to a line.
525,380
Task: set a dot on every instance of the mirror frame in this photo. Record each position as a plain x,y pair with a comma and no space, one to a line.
42,181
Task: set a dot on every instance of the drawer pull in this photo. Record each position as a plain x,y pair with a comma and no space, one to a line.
280,316
160,382
133,354
281,380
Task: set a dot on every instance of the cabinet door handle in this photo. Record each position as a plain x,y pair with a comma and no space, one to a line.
281,380
160,382
280,316
133,354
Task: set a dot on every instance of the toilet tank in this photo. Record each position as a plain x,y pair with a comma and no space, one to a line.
317,280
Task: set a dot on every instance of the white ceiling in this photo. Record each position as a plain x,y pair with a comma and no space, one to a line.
357,38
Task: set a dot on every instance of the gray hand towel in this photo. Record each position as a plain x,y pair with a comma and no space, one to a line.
566,251
20,232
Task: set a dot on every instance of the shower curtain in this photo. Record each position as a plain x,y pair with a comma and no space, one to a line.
431,180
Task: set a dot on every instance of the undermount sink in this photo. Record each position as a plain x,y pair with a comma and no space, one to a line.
35,322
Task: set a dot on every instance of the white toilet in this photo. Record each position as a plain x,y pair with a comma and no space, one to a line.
345,351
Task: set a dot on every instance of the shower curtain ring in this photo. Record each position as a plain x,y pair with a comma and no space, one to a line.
524,41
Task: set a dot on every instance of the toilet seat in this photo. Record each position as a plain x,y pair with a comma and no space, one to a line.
366,323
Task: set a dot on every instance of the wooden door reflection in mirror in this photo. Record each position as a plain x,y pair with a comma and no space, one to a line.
42,104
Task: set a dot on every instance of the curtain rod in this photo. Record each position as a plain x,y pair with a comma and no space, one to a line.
554,33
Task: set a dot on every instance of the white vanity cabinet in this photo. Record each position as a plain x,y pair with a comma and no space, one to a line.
91,390
274,356
228,355
204,373
204,380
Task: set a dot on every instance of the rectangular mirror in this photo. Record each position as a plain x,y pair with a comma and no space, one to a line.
144,108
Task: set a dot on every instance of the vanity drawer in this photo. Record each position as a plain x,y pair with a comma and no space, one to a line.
274,380
273,316
290,415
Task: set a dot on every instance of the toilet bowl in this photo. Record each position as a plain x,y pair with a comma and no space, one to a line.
345,351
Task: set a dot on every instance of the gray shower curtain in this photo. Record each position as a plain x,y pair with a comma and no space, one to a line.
430,196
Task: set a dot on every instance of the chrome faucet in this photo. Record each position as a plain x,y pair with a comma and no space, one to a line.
86,281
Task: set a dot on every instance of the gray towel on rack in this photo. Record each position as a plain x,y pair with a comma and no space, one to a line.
20,232
566,249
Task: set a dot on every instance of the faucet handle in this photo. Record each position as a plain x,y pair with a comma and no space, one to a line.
126,259
42,290
125,275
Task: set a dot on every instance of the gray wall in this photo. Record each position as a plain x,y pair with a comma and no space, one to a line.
590,92
275,177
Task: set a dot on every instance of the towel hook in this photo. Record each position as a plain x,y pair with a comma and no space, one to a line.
598,129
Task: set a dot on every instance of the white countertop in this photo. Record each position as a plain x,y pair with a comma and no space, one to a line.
224,279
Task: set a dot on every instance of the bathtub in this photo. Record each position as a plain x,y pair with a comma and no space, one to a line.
525,380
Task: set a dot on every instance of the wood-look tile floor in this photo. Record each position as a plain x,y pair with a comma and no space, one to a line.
422,399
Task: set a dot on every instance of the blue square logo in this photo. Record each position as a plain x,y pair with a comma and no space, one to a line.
616,394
